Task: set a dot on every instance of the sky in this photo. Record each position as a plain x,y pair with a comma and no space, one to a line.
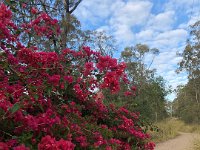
162,24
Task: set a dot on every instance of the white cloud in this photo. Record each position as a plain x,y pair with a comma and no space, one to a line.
123,33
132,13
164,41
145,35
93,12
187,9
180,5
162,21
171,39
97,8
127,16
103,28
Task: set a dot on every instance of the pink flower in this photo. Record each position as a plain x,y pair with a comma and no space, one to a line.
127,93
3,146
88,51
100,141
21,147
49,143
108,148
54,80
34,10
11,143
125,79
88,68
82,140
133,88
150,146
23,5
69,79
31,122
65,145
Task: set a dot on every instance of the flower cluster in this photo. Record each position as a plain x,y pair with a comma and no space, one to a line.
43,25
6,25
49,143
48,101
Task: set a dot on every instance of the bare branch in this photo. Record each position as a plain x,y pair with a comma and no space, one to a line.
76,5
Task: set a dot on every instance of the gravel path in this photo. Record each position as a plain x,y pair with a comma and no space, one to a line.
183,142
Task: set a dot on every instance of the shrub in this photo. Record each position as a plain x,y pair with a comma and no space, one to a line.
47,99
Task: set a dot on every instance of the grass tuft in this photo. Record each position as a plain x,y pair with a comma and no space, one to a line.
170,128
196,144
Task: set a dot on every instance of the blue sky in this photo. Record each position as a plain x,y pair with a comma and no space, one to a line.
162,24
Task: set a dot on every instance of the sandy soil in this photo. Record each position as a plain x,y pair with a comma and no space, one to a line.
182,142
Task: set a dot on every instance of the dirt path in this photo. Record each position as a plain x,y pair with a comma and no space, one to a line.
183,142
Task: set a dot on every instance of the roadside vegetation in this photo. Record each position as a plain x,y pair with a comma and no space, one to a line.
196,144
171,127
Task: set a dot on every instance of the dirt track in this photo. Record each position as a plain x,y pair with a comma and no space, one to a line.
183,142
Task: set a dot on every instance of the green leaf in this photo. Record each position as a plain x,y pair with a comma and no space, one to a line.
129,139
15,108
49,90
36,97
2,53
98,76
40,106
18,32
34,88
14,137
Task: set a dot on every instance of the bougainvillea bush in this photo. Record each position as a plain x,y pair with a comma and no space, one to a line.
49,101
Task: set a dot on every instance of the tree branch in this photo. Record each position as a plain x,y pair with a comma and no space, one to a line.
76,5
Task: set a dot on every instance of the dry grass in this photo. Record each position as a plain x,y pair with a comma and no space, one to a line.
196,144
170,128
194,128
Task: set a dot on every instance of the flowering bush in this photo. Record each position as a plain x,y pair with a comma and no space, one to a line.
48,100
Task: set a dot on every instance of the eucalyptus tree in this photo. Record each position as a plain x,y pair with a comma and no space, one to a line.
188,98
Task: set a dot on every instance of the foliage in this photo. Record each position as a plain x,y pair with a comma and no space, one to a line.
48,99
191,54
187,106
151,100
150,94
187,103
